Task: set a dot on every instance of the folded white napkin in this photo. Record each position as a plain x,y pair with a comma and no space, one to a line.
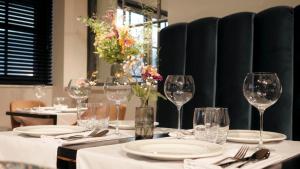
202,164
182,134
37,111
57,139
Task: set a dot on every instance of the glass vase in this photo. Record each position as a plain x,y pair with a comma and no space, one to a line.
144,123
116,69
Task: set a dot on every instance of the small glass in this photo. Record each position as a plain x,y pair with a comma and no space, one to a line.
224,122
211,124
60,103
93,115
199,124
39,92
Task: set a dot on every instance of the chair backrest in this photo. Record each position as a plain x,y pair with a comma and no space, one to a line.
17,121
18,104
219,52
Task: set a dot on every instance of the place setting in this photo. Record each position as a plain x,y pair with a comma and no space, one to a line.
211,136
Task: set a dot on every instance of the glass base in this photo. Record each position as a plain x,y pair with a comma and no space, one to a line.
260,146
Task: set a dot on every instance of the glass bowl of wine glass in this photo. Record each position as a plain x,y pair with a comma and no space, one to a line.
179,89
262,90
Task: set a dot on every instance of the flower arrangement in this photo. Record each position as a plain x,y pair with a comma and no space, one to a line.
115,45
146,90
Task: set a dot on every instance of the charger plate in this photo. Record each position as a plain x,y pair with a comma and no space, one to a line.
172,149
252,136
50,130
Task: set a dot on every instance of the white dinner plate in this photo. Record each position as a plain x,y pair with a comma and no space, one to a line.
125,124
252,136
49,130
172,149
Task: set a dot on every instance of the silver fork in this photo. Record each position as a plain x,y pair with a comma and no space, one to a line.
81,135
99,133
239,155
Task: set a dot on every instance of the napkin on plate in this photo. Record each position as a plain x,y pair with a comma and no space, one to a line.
208,164
57,139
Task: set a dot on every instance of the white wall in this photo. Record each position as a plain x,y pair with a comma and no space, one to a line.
188,10
69,43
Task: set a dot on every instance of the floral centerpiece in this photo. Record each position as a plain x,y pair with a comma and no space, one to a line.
146,90
116,45
113,44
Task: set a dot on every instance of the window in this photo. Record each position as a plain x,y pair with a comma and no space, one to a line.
136,15
132,14
25,41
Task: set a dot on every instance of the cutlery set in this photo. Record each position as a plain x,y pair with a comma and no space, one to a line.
240,157
92,133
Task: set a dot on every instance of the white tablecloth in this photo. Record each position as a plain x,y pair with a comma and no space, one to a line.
41,152
27,150
113,157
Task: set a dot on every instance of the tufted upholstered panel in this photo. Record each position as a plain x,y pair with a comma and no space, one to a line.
219,52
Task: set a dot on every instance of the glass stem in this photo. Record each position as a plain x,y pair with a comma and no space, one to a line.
39,104
261,124
117,118
179,117
78,106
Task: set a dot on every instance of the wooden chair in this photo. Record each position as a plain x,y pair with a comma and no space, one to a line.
113,114
17,121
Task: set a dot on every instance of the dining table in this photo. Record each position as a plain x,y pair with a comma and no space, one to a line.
109,151
65,116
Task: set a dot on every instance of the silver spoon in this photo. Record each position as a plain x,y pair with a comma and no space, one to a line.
258,155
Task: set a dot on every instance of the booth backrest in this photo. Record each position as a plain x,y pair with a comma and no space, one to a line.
219,52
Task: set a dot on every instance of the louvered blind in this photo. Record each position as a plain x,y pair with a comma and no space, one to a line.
25,41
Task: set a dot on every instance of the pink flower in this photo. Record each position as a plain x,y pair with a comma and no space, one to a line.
150,72
110,16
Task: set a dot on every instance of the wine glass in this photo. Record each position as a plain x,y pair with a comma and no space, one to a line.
39,93
262,90
179,89
79,89
117,89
